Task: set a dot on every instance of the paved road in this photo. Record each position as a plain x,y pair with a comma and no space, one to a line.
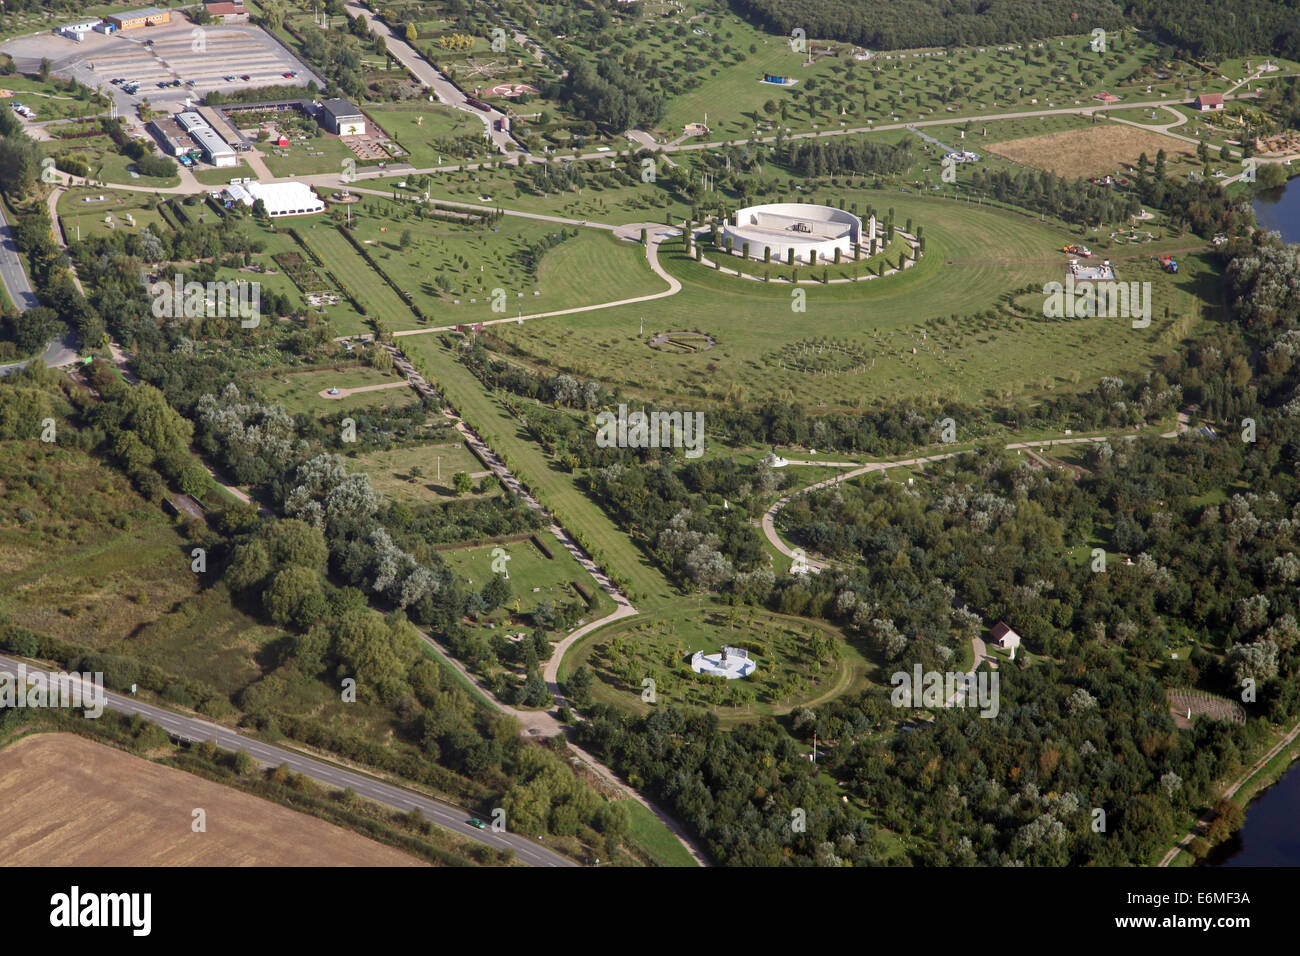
443,814
11,270
446,91
58,352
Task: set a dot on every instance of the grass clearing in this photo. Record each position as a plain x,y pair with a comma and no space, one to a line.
462,272
943,329
799,662
534,577
300,391
391,471
557,489
81,210
650,834
356,276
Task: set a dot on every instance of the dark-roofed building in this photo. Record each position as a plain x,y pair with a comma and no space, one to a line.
171,137
225,11
1004,637
1208,101
342,118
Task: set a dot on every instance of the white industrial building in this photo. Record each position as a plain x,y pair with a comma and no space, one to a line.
215,149
77,31
280,199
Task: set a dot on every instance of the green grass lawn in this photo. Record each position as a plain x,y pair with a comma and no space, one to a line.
104,161
349,268
650,834
534,577
116,168
940,330
788,672
211,176
557,489
428,131
390,471
341,315
301,159
82,207
601,199
300,391
453,271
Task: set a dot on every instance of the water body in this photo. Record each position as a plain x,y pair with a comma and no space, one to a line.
1279,210
1271,835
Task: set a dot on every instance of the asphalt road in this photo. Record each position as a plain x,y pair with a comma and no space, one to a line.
20,291
446,91
444,815
11,270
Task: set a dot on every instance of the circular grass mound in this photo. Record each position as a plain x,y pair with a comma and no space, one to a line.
795,662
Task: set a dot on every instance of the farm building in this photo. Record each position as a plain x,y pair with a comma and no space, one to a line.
1004,637
1207,102
227,12
133,19
342,118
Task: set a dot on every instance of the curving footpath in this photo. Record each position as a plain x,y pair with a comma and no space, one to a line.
631,231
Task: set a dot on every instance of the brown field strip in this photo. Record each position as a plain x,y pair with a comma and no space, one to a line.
68,801
1095,151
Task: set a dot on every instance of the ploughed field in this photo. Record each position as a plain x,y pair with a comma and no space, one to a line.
68,801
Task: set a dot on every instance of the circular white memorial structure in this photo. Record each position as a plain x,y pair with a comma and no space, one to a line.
730,662
807,229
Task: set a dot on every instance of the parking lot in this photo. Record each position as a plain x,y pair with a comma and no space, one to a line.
174,53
